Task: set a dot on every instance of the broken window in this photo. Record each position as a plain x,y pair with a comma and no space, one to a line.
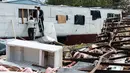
23,13
31,12
113,15
117,15
110,15
95,14
61,18
79,19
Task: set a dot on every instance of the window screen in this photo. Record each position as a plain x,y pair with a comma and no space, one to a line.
79,19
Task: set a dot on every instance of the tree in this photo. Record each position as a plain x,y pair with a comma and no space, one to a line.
123,4
88,3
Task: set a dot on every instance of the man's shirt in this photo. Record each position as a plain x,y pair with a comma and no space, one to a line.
38,12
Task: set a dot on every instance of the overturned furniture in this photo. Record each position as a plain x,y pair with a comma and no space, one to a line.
34,53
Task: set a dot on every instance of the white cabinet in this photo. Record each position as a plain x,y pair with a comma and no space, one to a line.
31,52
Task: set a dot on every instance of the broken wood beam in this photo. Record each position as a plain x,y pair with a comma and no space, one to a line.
90,53
36,65
107,71
126,21
123,31
121,41
101,41
126,43
91,60
22,16
102,36
115,36
120,44
100,60
123,36
106,46
119,57
123,52
126,49
116,27
117,64
97,54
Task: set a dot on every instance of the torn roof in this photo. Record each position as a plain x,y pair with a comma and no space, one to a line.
27,2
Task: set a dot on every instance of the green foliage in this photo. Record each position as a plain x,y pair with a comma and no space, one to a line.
91,3
81,2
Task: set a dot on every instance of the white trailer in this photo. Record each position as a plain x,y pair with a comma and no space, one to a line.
19,14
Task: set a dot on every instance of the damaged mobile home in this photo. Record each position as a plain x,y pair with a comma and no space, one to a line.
109,54
66,23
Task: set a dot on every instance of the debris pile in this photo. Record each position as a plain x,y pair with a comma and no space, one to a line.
8,68
111,52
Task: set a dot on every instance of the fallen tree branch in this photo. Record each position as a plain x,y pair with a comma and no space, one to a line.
100,60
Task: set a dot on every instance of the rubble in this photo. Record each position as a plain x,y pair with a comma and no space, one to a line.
109,54
13,68
110,51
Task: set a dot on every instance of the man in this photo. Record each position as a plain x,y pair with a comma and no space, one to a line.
39,15
31,27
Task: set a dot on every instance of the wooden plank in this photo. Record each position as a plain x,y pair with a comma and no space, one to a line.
117,64
91,60
93,54
107,71
22,16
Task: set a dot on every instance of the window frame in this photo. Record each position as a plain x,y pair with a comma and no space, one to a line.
78,23
24,13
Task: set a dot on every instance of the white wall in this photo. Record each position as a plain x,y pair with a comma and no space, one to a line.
90,27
